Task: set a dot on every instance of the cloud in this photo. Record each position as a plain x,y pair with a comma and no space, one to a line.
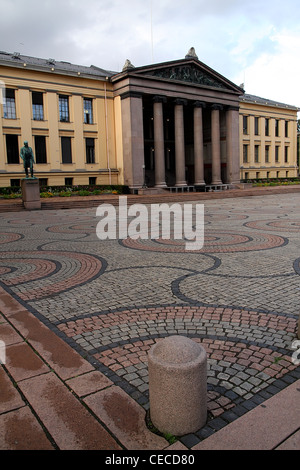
233,37
39,28
275,76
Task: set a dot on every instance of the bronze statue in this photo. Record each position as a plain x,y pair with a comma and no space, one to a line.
28,158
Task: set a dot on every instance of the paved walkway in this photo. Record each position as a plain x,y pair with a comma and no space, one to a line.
79,316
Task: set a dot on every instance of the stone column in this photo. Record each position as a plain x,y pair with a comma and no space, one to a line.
179,143
232,145
216,144
133,139
198,144
159,142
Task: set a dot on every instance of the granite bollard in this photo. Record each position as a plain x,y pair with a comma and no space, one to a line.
177,369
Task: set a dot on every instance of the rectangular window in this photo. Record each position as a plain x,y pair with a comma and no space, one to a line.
40,149
267,126
15,183
68,181
37,106
277,154
92,180
267,153
256,153
88,110
9,105
90,150
286,154
286,128
256,126
12,149
64,108
245,124
43,181
276,127
245,153
66,149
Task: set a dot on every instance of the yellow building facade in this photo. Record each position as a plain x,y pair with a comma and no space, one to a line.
268,139
90,126
66,113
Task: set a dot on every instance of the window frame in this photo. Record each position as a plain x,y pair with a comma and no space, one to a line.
37,108
286,129
267,127
15,159
245,153
88,112
286,154
256,125
245,124
66,158
9,112
256,153
88,149
64,108
70,182
267,153
277,147
40,159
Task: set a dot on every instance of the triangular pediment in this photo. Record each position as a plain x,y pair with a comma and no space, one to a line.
187,71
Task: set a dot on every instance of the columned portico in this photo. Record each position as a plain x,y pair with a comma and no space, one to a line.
210,133
180,122
179,143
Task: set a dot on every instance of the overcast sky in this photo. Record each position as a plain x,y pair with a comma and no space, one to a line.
255,42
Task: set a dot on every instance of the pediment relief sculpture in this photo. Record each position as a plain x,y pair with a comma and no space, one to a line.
187,73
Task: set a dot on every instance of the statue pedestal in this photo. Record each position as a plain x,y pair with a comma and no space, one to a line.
31,193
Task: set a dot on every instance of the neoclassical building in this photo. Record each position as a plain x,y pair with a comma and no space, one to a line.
180,124
174,124
268,139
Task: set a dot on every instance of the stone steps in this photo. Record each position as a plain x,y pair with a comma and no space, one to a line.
11,206
75,202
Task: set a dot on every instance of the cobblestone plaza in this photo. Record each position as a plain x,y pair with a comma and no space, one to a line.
111,300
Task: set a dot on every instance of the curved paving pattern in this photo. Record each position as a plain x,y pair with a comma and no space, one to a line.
246,350
6,237
46,273
297,265
283,225
112,300
215,241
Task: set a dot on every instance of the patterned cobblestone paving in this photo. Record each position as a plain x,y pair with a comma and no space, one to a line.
113,299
